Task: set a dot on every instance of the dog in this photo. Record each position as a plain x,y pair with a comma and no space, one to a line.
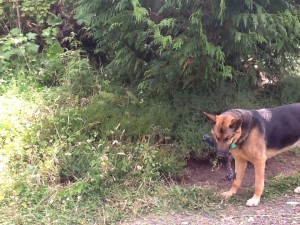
255,136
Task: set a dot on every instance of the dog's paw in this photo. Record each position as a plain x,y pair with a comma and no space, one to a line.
227,194
297,190
254,201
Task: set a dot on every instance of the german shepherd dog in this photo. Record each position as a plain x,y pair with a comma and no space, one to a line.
255,136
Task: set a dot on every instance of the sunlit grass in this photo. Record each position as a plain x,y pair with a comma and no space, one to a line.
33,127
16,116
28,197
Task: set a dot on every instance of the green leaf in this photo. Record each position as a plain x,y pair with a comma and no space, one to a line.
178,44
255,21
237,36
54,50
249,4
139,12
46,32
7,55
245,19
227,71
31,48
6,47
31,36
167,23
263,19
54,20
222,10
15,31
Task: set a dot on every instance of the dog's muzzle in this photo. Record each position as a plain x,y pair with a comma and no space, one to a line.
213,144
230,175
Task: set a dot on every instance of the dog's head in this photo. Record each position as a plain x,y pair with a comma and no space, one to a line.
226,130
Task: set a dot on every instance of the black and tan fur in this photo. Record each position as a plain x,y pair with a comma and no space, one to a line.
258,135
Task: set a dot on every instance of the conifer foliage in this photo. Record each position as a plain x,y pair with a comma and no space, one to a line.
161,44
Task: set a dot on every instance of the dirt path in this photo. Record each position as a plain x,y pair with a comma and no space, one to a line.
283,210
201,172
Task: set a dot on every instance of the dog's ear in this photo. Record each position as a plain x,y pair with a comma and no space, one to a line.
210,116
235,124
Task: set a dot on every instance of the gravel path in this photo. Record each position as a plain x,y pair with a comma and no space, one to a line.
285,210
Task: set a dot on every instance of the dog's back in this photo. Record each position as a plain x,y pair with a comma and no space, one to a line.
281,124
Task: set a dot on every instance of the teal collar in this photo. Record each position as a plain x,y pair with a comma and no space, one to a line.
233,145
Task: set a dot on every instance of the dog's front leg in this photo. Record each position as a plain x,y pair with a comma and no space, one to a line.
240,167
259,182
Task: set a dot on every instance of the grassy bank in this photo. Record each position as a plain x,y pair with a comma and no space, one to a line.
69,156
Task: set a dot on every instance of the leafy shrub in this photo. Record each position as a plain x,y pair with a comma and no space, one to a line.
287,90
39,10
18,48
34,14
184,44
22,49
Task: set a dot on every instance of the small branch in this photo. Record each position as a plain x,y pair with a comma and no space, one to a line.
18,15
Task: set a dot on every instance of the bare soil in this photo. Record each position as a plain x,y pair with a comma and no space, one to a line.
203,173
283,210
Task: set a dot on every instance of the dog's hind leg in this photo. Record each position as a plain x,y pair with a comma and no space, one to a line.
240,167
259,166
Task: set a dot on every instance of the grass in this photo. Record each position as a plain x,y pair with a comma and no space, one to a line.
32,157
129,204
275,187
280,185
78,149
102,162
123,205
39,137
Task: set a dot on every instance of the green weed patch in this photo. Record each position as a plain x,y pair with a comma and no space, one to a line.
105,157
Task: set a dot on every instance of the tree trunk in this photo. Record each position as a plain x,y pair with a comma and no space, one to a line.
18,15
